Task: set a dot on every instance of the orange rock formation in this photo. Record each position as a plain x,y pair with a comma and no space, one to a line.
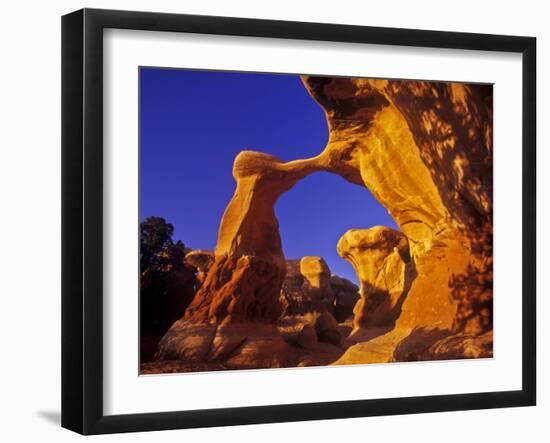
238,303
309,287
381,259
424,150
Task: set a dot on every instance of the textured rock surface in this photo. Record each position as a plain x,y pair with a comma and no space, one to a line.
243,284
246,277
201,260
426,344
307,337
185,341
424,149
327,330
381,258
307,287
316,272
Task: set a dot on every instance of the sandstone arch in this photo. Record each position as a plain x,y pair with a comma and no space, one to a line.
424,149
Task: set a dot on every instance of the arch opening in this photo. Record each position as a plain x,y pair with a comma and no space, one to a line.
318,211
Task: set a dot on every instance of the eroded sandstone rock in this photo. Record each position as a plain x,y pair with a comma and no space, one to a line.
201,260
346,295
316,272
327,330
241,290
307,337
424,149
307,287
430,343
380,256
185,341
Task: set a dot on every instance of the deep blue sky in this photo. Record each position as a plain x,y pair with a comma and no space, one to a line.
194,123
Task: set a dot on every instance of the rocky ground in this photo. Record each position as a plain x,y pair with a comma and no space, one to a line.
311,298
307,346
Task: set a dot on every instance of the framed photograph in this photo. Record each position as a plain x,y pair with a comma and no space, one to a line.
269,221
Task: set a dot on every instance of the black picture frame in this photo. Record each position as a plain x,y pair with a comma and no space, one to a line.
82,219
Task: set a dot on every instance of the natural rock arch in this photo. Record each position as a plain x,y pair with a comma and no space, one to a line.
424,149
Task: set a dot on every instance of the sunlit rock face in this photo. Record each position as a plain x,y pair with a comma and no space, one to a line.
307,287
380,257
424,149
240,296
371,144
316,272
245,280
